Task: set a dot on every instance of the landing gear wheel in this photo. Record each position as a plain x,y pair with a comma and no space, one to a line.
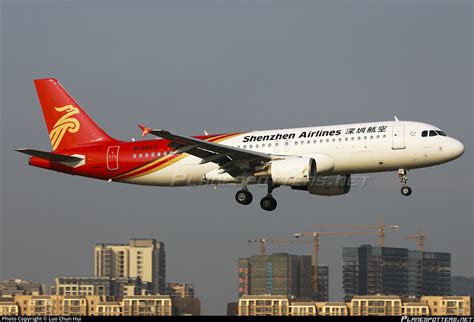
406,190
268,203
244,197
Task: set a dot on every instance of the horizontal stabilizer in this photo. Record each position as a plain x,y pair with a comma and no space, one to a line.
53,157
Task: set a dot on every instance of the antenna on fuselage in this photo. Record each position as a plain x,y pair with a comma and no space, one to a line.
396,118
205,132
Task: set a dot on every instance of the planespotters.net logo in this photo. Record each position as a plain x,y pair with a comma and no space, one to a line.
437,319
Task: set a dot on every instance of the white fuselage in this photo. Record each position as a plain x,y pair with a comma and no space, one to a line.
349,148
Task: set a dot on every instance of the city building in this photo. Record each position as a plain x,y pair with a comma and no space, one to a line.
140,258
449,305
323,284
332,308
186,306
263,305
275,274
360,305
103,286
109,309
180,290
45,305
371,270
429,273
20,287
8,307
415,309
149,305
376,305
302,307
82,286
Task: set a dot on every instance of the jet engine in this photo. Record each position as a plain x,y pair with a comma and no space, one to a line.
328,186
293,171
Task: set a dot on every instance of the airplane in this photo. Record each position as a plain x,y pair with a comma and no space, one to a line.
319,160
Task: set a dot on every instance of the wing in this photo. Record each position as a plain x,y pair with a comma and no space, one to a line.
232,160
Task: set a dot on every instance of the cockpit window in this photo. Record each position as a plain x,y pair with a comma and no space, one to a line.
433,133
424,133
441,133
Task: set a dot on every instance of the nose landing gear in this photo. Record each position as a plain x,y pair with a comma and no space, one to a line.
403,174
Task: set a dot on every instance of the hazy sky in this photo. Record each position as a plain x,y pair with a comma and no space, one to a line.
224,66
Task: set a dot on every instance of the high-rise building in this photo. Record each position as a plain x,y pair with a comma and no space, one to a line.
104,286
276,274
20,287
141,258
371,270
429,273
323,284
180,290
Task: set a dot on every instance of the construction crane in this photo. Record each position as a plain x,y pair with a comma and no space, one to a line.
420,237
379,229
316,235
263,241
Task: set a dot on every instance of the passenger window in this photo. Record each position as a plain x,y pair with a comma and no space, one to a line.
245,146
276,144
433,133
352,138
146,155
424,134
441,133
153,154
347,139
140,155
315,141
263,145
270,145
250,146
256,146
158,153
340,139
134,156
309,142
321,141
334,140
296,142
302,142
327,140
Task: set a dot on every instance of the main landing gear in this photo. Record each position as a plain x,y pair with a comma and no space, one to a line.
268,203
406,190
244,197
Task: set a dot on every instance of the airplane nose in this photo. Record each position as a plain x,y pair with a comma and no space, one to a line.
456,148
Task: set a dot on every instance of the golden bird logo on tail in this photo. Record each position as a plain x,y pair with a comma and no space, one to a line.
66,123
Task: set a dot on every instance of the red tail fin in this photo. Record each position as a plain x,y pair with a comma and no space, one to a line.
68,124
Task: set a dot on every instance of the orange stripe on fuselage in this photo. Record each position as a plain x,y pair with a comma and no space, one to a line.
165,162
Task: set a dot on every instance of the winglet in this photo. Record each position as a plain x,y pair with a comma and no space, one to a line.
145,130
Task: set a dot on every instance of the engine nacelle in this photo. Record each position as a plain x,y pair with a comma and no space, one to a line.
293,171
328,186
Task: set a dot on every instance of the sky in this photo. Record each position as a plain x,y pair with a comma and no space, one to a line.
227,66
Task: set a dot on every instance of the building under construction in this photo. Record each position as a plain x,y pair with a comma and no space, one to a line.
281,274
371,270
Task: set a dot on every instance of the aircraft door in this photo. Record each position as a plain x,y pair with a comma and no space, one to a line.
398,136
112,158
